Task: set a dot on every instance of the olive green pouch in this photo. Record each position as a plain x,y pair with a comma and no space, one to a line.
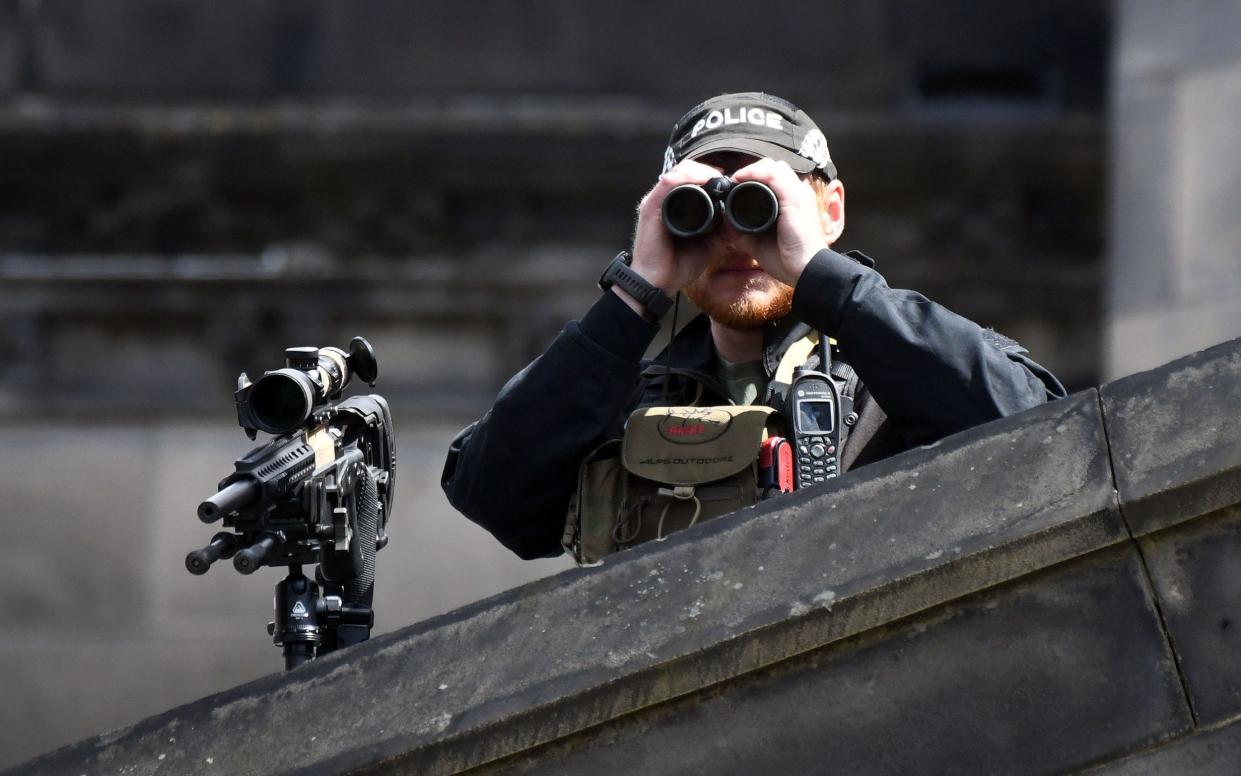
675,467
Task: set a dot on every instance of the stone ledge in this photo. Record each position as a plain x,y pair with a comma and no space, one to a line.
1194,568
1212,752
1090,678
1175,442
738,594
758,593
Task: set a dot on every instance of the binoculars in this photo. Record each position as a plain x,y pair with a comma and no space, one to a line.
691,210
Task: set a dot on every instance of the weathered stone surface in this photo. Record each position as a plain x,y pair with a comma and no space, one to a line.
10,47
730,597
1152,43
1090,676
128,680
101,610
1173,329
387,47
1142,232
1196,571
60,582
1172,280
1208,232
1176,447
1208,753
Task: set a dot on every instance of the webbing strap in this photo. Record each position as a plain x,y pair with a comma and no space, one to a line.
797,354
794,357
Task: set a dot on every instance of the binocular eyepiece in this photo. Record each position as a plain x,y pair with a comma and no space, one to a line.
284,399
691,210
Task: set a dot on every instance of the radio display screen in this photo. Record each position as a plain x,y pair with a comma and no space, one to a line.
815,416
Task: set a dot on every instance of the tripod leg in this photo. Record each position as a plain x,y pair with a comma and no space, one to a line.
296,653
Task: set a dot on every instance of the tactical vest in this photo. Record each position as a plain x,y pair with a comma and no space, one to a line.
675,467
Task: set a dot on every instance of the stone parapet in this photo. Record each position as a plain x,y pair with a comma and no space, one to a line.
976,605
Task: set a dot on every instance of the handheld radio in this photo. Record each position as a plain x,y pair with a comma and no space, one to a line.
814,419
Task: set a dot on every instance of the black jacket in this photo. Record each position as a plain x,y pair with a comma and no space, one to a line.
926,373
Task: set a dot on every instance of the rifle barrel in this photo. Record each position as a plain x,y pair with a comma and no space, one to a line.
233,498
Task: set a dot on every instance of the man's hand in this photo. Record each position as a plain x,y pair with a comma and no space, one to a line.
799,232
665,262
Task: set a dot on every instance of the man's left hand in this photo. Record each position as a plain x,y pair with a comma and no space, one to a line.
799,232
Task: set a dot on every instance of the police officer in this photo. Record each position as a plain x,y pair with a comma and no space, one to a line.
916,371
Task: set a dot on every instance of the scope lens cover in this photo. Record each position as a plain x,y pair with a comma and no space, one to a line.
282,400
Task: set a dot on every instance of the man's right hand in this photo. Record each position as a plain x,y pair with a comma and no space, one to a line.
660,259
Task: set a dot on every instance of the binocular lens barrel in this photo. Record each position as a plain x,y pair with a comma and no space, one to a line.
752,207
689,211
282,400
692,211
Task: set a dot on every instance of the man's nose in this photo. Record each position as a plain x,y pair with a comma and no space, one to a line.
725,233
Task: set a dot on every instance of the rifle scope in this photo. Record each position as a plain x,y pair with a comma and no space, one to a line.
284,399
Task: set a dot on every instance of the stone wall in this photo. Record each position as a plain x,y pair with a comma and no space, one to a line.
1046,593
1174,269
190,187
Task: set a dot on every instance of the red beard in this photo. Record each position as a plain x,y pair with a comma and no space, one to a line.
737,298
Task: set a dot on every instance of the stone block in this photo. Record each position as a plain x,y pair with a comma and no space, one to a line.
1144,338
729,597
952,691
77,546
1050,57
59,690
1155,43
1208,177
132,48
1206,753
390,48
387,47
437,560
99,604
427,355
1196,572
1175,241
1141,229
1176,448
10,47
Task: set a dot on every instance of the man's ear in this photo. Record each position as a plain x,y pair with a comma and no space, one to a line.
832,210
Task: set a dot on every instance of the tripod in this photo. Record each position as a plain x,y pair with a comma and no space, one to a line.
310,625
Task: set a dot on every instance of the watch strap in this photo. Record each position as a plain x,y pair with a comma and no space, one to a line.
619,273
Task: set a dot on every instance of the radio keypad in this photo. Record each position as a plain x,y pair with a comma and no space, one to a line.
818,461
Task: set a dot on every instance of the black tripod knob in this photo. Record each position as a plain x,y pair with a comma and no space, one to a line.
223,545
248,560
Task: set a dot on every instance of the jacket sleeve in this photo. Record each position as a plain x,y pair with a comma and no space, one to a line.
513,471
931,370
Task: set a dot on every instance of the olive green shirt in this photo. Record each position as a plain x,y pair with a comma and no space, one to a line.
745,381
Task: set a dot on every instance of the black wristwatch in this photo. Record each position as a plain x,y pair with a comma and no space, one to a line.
618,273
